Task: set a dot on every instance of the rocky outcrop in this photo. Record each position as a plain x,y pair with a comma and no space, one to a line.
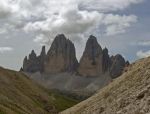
31,64
92,59
96,62
41,59
106,63
34,63
61,57
118,63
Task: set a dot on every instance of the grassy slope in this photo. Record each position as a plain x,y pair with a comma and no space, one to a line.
20,95
128,94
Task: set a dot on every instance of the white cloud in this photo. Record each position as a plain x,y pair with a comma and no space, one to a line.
40,39
77,22
5,49
3,31
144,43
143,54
116,24
69,22
107,5
71,17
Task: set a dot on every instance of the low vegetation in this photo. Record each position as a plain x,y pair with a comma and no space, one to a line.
20,95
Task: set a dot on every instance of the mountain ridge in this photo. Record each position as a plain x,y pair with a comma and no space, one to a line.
61,57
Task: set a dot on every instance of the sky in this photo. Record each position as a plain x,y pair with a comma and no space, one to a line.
123,26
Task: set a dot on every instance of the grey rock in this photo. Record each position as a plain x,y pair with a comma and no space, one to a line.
91,61
61,57
117,65
34,63
106,61
41,59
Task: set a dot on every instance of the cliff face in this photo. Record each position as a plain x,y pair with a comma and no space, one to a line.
34,63
106,62
91,61
61,57
118,63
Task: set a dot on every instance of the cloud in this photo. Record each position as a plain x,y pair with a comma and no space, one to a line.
74,22
71,17
116,24
143,54
69,22
144,43
40,39
3,31
5,49
107,5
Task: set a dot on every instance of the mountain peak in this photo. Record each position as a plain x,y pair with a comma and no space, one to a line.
91,61
61,56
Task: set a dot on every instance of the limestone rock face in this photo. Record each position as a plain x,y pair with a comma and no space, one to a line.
118,63
31,64
41,59
61,57
91,61
106,60
34,63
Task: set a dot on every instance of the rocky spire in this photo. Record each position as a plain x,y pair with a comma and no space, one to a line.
91,61
41,59
32,56
25,63
61,57
106,60
43,52
34,63
118,64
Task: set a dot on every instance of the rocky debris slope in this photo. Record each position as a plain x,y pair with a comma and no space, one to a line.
61,58
128,94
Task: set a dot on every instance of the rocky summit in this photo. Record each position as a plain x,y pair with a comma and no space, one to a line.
34,63
59,69
91,61
61,57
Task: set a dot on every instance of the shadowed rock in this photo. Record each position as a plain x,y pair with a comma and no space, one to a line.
106,60
61,57
91,61
117,65
34,63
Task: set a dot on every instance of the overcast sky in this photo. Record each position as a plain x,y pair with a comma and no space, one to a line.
123,26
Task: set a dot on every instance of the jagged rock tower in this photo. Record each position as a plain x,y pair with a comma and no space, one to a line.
61,57
34,63
91,61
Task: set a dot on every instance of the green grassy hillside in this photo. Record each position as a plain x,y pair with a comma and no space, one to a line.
20,95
